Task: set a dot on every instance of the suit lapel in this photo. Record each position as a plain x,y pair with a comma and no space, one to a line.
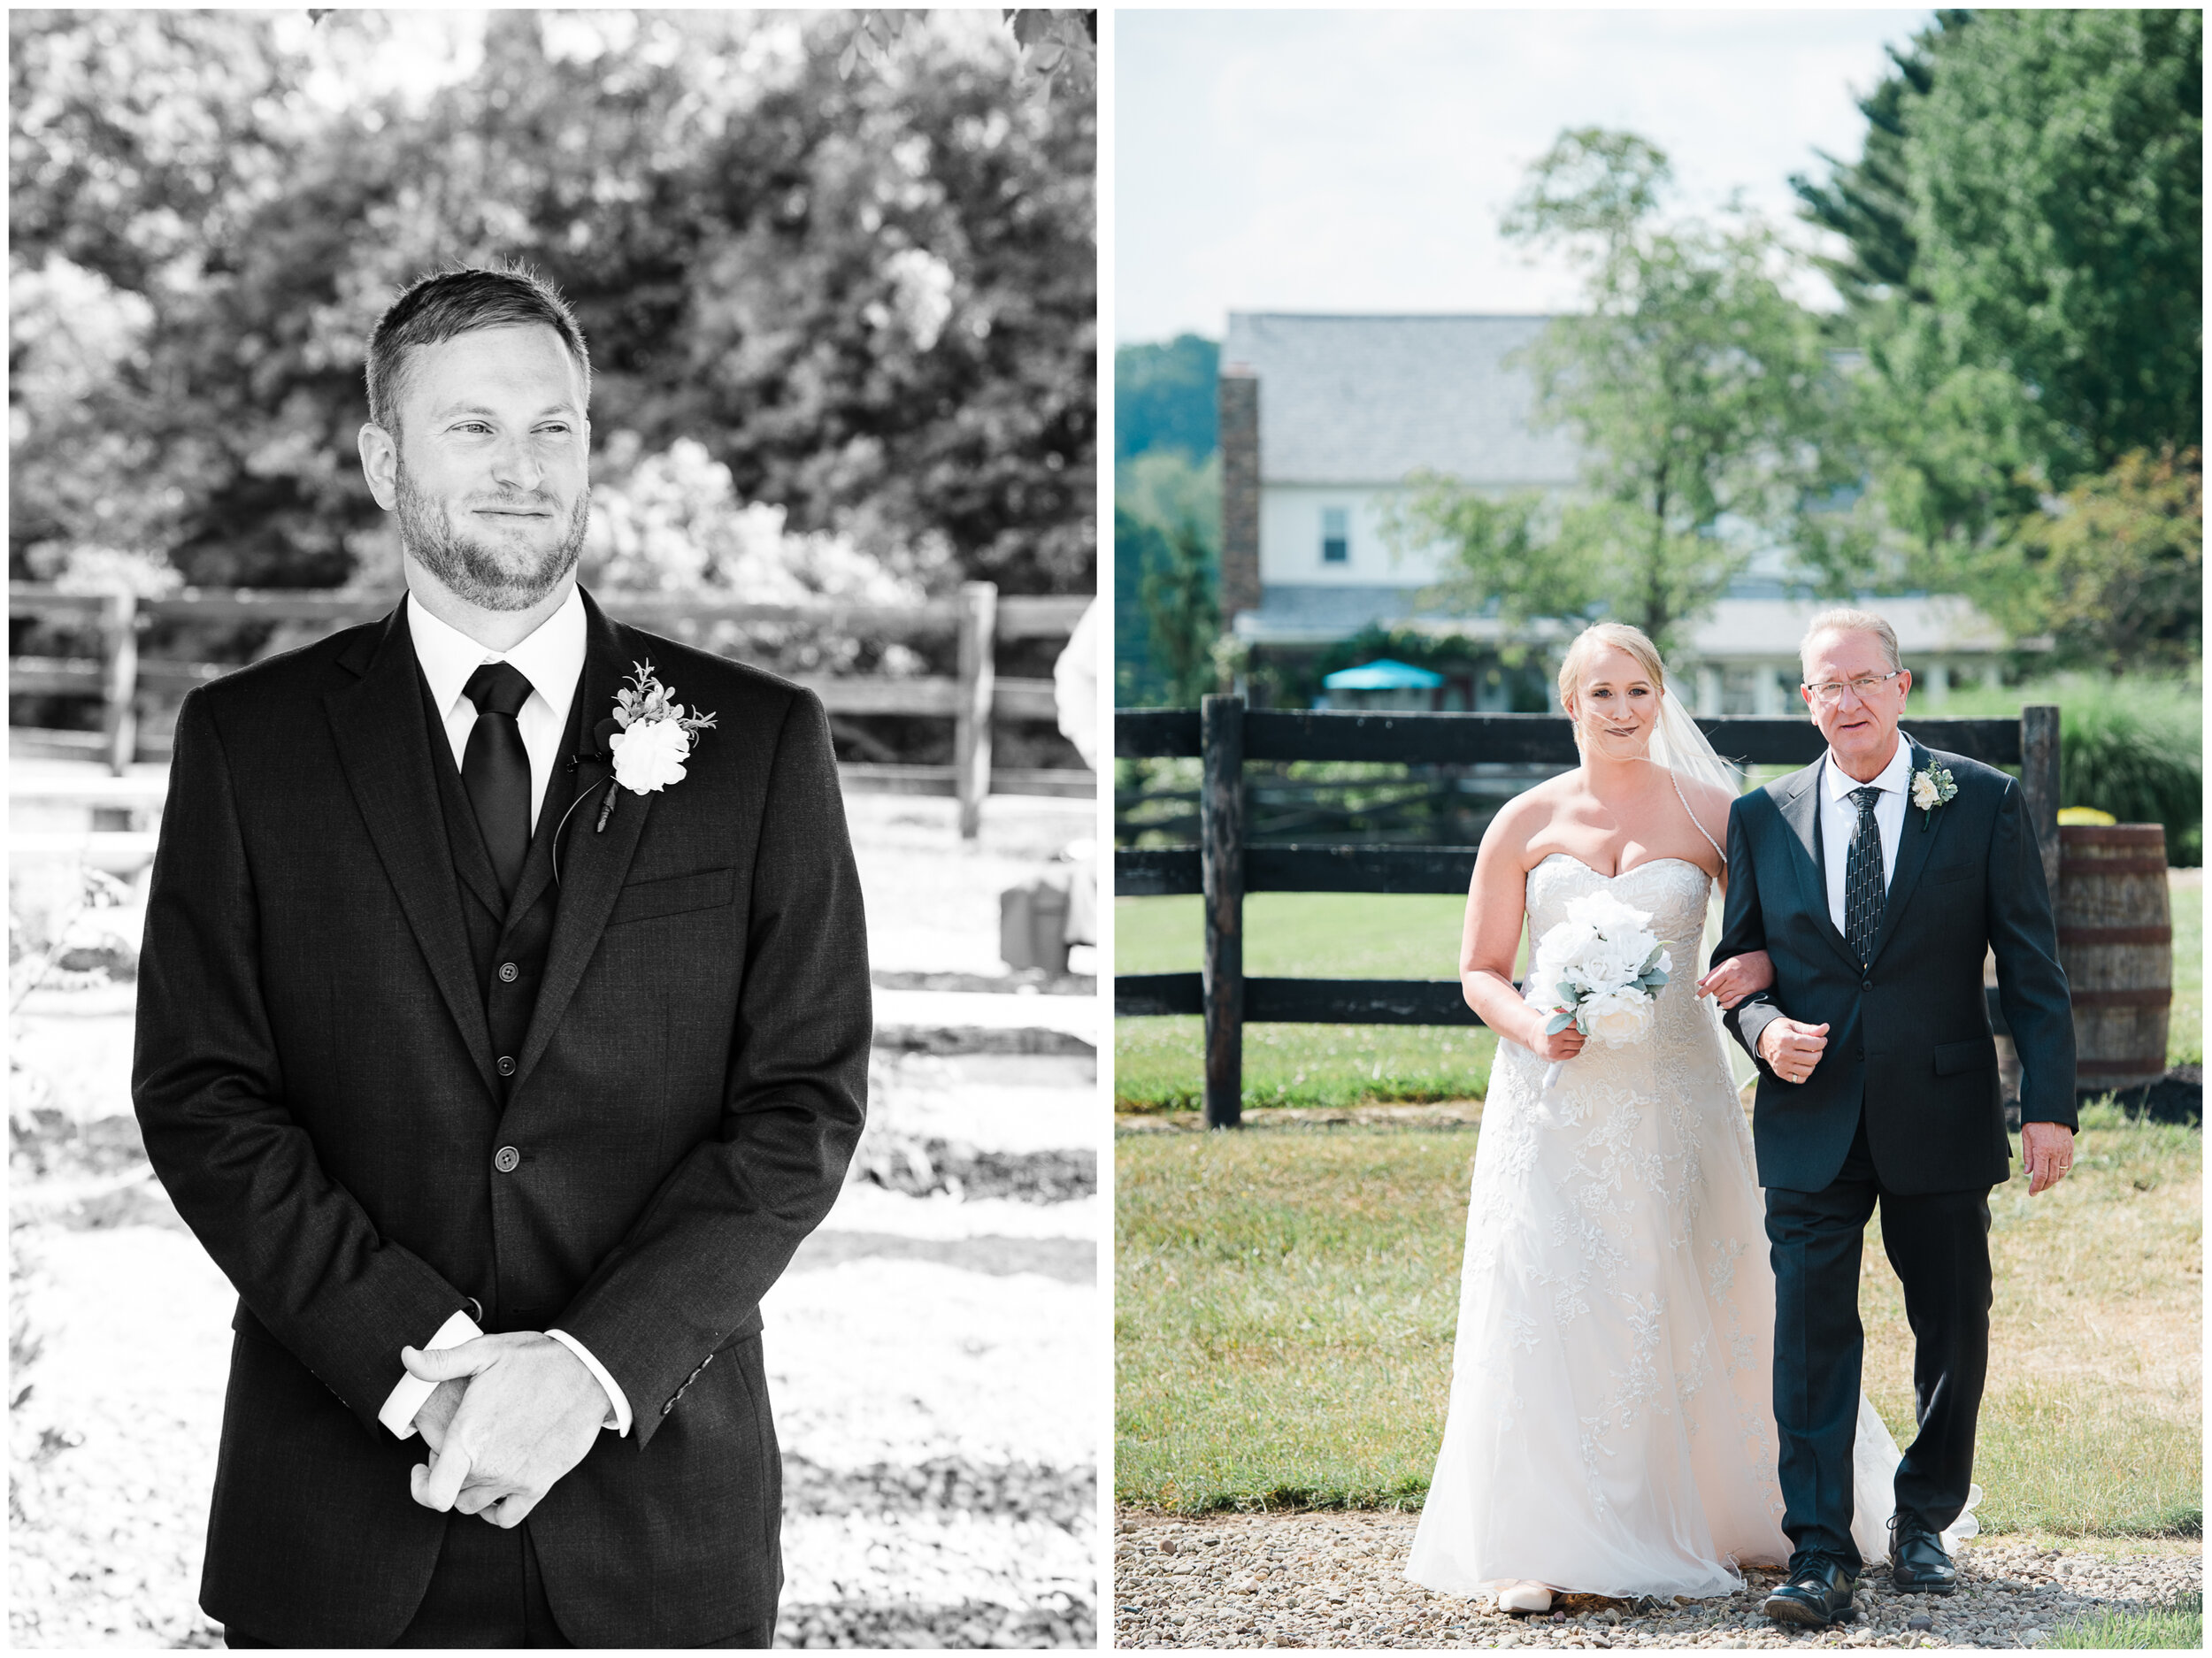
593,862
383,745
1914,842
1802,811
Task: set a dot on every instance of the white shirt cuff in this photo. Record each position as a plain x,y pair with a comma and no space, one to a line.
409,1397
618,1412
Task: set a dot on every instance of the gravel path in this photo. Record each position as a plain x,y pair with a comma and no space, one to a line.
1337,1580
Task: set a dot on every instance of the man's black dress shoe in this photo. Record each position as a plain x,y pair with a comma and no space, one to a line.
1818,1593
1917,1564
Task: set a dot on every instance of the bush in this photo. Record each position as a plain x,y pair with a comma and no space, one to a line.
2132,746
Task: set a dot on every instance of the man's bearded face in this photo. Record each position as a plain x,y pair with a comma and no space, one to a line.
492,465
491,564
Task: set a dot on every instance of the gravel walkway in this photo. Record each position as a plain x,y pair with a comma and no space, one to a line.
1337,1580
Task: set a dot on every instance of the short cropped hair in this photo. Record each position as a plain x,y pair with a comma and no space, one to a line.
1849,621
438,307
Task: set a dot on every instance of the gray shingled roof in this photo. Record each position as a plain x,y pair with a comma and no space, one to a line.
1365,400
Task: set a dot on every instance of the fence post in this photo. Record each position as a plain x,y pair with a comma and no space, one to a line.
971,725
118,644
1221,867
2040,783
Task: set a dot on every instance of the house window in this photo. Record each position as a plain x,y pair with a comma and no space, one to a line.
1336,535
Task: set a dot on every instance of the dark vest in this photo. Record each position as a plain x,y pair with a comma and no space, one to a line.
507,947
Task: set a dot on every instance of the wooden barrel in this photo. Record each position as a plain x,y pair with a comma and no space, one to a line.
2115,940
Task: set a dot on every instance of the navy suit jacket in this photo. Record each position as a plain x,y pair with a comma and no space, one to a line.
320,1094
1910,1041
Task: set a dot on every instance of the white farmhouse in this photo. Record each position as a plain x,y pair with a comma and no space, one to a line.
1322,419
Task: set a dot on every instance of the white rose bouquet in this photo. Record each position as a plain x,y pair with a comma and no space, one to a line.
1600,970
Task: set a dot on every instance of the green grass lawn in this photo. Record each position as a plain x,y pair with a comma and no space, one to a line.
2178,1625
1158,1063
1292,935
1286,1298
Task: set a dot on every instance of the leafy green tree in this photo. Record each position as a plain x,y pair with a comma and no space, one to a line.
1182,611
1868,203
2025,224
2057,181
2116,567
1701,395
1165,398
1137,682
1167,551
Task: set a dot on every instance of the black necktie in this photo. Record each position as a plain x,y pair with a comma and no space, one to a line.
1863,878
495,769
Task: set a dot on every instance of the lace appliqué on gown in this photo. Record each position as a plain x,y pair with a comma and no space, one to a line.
1612,1428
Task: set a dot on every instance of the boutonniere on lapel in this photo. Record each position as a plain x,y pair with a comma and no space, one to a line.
653,738
1932,787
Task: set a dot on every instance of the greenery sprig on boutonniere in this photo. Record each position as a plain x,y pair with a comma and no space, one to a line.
654,740
1932,787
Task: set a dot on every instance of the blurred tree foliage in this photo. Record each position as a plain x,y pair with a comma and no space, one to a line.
1167,522
1701,393
2114,570
1165,398
870,297
1167,565
2024,277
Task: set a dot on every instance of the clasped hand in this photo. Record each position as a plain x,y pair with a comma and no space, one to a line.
509,1416
1792,1048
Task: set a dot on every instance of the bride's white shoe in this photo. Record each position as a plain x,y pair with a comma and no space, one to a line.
1524,1597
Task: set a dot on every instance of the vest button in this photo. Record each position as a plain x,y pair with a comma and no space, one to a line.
506,1064
508,1159
509,972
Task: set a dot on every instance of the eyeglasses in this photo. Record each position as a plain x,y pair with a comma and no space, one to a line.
1831,691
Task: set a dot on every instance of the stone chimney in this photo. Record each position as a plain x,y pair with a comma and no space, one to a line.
1240,414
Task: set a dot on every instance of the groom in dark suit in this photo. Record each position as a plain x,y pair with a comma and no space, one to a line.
1876,879
501,1051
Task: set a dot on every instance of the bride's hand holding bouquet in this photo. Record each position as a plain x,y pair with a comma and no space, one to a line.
1597,973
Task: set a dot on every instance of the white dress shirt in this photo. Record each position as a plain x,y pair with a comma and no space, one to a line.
1839,819
551,659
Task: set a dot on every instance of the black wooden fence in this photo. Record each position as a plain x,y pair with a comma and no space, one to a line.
1224,735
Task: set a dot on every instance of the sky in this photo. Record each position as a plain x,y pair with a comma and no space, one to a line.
1359,161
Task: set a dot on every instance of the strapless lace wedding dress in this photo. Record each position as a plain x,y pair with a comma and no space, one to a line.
1611,1428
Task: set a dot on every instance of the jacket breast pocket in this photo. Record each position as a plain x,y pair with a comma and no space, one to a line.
641,900
1953,1059
1957,871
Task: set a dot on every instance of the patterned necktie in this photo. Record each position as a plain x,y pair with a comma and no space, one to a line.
1863,878
495,769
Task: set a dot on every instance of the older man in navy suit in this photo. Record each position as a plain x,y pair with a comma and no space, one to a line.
1877,879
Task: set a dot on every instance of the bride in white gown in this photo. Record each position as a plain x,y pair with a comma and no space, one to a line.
1611,1428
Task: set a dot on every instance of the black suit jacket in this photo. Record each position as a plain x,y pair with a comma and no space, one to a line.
318,1090
1908,1038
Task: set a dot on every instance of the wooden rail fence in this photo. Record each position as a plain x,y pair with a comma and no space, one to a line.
972,698
1224,735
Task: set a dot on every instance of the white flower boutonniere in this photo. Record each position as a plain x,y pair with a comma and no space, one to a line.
1932,787
655,740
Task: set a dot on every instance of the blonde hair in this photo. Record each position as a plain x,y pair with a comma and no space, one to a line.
1844,620
1597,637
